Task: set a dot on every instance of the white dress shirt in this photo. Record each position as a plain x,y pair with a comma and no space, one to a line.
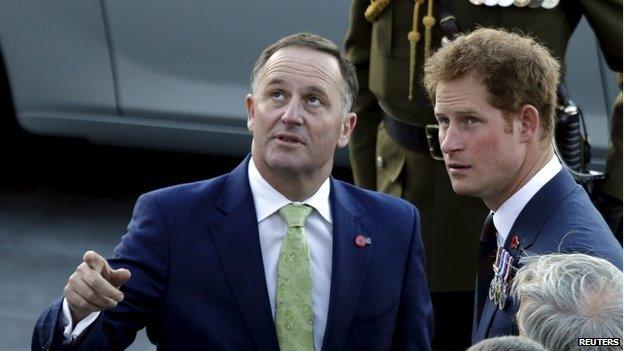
69,332
318,231
509,211
272,229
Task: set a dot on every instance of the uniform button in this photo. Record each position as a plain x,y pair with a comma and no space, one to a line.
380,162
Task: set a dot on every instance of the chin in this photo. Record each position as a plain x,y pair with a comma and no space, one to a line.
288,163
464,189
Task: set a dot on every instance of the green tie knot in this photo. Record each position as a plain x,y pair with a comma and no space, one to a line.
295,215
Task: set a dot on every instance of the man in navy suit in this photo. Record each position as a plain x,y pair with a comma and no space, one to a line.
494,94
202,265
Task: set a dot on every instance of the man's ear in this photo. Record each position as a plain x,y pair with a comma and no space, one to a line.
530,123
346,128
249,105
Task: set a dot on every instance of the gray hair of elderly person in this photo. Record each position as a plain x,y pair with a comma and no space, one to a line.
564,297
507,343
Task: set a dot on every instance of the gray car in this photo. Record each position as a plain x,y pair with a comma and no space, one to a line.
173,75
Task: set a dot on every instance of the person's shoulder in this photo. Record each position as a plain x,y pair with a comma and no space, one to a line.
202,190
576,209
575,225
565,204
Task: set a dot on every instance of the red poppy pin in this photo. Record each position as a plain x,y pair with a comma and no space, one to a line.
515,242
361,241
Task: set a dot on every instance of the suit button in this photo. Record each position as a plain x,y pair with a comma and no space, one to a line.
379,162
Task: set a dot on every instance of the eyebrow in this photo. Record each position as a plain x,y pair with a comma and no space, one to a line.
317,90
310,88
458,112
467,112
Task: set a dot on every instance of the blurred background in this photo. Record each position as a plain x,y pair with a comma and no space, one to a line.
101,101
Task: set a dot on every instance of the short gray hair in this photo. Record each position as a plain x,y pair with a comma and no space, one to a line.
564,297
507,343
317,43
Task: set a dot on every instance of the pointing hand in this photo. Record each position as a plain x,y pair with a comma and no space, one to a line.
94,286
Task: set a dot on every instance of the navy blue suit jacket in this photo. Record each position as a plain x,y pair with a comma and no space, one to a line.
198,279
559,218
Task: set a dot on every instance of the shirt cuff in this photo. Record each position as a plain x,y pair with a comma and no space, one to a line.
69,332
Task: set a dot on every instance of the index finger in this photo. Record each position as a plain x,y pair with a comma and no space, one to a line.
94,260
97,262
101,286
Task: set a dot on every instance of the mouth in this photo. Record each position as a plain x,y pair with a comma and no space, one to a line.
288,138
455,168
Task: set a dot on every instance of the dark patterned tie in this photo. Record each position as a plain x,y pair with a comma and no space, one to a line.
486,257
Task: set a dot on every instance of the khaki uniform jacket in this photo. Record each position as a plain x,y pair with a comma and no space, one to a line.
380,52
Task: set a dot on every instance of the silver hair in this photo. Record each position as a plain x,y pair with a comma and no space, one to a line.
564,297
507,343
316,43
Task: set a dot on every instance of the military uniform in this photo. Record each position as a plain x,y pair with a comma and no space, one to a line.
380,50
608,196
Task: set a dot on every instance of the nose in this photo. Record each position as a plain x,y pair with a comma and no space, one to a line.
293,112
450,139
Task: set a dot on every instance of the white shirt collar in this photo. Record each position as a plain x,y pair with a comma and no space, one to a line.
267,200
509,211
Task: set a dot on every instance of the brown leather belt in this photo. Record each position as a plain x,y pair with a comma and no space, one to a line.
409,136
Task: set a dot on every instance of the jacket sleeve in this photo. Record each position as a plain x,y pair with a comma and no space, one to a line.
364,138
414,326
47,334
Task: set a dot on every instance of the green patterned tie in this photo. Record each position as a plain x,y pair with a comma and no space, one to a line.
293,301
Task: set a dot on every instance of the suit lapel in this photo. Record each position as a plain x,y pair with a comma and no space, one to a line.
349,264
533,216
235,236
489,310
527,228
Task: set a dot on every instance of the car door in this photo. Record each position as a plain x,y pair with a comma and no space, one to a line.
186,64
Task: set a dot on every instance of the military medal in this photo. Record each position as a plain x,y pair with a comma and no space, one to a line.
521,3
494,291
505,283
499,286
550,4
535,4
546,4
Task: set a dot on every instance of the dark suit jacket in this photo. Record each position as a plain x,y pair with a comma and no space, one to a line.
559,218
198,278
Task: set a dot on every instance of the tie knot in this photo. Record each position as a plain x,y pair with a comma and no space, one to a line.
295,215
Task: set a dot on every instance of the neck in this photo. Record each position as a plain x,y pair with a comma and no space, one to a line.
529,168
294,185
